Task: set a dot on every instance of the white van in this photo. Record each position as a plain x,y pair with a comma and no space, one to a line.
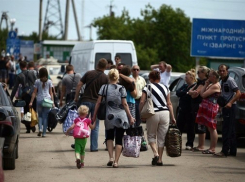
85,55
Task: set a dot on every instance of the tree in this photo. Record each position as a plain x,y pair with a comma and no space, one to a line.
3,39
162,34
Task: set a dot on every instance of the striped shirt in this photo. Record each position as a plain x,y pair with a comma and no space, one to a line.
158,95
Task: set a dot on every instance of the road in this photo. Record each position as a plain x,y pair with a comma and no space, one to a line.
52,159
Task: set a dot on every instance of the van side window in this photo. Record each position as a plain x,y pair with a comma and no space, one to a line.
98,56
126,58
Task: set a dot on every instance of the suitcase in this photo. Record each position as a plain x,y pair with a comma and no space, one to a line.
52,121
173,141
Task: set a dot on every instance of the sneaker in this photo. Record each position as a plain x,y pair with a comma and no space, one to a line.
78,161
39,133
188,148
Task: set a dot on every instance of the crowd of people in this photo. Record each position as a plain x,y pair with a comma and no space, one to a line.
126,93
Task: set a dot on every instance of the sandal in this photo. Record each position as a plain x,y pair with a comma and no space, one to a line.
154,160
220,154
115,165
78,161
110,163
196,149
208,152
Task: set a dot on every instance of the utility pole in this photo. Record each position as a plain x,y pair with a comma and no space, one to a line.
111,13
40,20
66,20
75,16
53,17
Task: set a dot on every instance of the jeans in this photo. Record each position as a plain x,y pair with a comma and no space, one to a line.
137,112
229,131
95,132
11,80
42,117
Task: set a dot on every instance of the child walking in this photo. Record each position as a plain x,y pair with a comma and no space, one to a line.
81,133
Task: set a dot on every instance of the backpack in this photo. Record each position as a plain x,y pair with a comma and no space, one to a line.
28,87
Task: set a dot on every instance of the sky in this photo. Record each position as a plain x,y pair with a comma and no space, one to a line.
26,12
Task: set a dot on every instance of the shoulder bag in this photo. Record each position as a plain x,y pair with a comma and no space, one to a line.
148,108
101,113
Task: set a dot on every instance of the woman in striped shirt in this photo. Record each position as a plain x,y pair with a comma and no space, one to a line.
157,125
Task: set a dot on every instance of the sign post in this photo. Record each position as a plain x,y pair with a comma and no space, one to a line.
13,44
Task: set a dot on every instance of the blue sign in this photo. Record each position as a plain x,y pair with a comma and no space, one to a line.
12,35
218,38
13,47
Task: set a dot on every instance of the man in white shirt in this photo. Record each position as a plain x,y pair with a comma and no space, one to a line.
165,71
139,84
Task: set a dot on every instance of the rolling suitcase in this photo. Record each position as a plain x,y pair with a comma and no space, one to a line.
52,121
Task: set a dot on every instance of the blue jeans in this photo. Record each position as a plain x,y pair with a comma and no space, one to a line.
95,132
42,117
229,131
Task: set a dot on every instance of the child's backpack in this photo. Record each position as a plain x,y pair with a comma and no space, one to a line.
81,129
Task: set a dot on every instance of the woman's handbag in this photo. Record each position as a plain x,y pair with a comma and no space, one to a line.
148,108
221,101
173,141
34,119
132,142
26,118
101,113
47,103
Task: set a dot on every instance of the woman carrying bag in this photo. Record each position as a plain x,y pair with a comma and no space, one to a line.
116,120
43,92
157,124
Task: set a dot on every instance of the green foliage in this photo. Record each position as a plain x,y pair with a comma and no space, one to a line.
3,39
162,34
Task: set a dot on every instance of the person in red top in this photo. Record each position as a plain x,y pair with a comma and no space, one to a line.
81,133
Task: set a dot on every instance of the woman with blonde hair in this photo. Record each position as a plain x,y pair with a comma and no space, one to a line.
194,92
184,109
208,109
117,110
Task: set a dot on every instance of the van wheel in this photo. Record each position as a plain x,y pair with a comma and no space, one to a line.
9,163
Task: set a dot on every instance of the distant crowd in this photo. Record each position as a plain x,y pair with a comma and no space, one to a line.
126,92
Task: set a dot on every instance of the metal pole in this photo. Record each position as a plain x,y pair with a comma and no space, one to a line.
75,16
82,29
66,20
197,63
40,20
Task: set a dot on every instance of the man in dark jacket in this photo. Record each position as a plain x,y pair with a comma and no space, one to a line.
25,78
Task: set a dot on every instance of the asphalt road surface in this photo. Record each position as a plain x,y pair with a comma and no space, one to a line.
52,159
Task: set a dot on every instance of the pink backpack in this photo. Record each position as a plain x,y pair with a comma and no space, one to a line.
81,129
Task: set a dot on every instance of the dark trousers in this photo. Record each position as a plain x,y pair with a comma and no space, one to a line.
229,131
27,99
184,118
11,80
137,112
